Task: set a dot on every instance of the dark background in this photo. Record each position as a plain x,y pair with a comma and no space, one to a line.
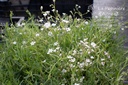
63,6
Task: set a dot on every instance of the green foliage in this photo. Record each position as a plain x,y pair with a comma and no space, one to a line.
62,51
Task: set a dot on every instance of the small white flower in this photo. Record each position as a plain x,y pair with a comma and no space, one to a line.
85,39
72,66
74,52
14,42
105,53
64,71
78,19
96,17
81,79
47,25
81,65
66,21
50,34
57,48
42,29
88,60
41,8
86,23
45,14
41,20
76,4
102,59
64,14
104,40
103,63
56,43
37,34
108,56
20,33
93,44
24,42
53,24
53,10
72,60
60,54
110,25
76,84
68,29
114,32
79,6
92,57
44,61
122,28
50,51
69,57
54,0
88,10
33,43
22,24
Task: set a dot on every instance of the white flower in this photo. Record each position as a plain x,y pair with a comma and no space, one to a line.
20,33
14,42
93,44
122,28
53,10
67,29
50,34
33,43
72,66
41,20
66,21
81,79
96,17
114,32
79,6
105,53
56,43
42,29
64,71
103,63
37,34
72,60
86,23
50,51
81,65
53,24
24,42
102,59
47,25
57,48
41,8
76,84
44,61
69,57
108,56
22,24
88,10
54,0
88,60
45,14
64,14
74,52
78,19
92,57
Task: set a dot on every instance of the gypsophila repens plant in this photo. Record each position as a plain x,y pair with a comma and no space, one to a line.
61,50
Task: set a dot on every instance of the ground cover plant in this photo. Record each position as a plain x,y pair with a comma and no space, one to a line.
61,50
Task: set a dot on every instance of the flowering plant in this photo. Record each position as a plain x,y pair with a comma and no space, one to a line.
62,51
